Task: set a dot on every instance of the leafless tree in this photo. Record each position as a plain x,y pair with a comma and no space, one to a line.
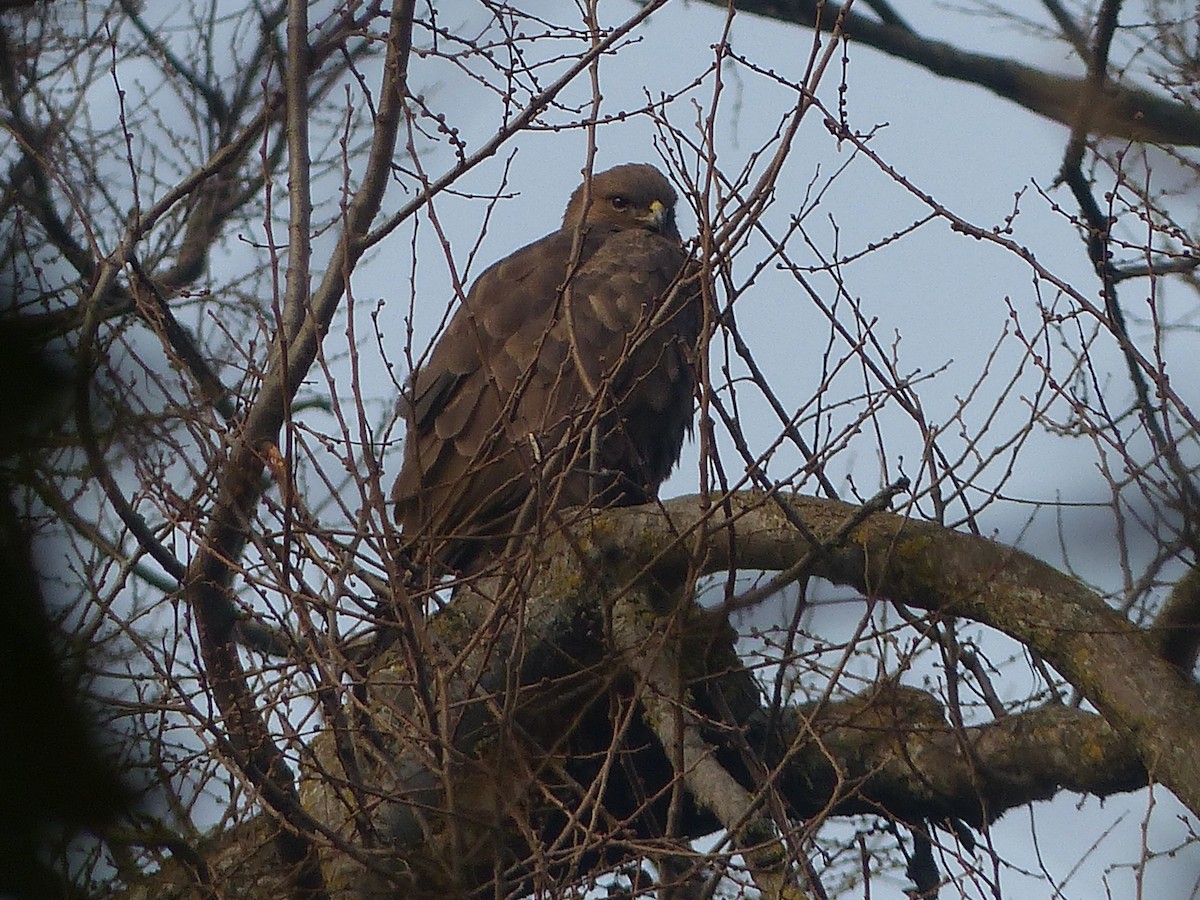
239,225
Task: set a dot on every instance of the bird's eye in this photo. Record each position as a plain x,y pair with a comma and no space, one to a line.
619,202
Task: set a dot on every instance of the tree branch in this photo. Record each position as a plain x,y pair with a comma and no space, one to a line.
1121,111
1115,665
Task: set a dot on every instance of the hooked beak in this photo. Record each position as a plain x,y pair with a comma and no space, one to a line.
658,216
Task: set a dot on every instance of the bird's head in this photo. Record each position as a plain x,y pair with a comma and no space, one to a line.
635,195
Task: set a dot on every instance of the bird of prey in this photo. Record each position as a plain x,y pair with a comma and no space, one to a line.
564,379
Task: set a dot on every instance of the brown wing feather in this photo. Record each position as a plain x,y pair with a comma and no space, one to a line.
501,410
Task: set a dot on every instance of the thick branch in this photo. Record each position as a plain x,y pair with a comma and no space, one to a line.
1121,111
543,675
891,750
653,654
1116,666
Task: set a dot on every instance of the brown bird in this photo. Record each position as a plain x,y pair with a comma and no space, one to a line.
564,379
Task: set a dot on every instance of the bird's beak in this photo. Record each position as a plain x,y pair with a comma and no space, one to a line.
658,215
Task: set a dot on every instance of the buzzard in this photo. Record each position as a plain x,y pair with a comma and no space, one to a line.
564,379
